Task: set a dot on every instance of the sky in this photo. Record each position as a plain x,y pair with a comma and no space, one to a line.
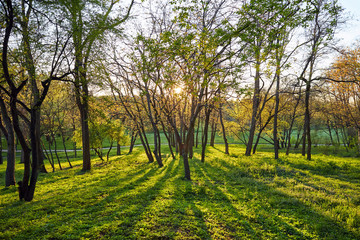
351,31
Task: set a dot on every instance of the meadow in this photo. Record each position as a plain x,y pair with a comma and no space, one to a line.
229,197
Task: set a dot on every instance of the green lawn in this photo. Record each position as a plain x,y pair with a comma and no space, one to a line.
229,197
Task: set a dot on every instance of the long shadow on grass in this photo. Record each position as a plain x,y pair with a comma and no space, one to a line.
239,205
271,206
126,207
330,169
138,213
188,220
81,210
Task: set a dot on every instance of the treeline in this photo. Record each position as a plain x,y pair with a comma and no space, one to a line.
252,69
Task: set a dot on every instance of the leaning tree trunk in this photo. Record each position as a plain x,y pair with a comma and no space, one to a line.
205,133
260,132
145,144
11,149
223,130
55,149
108,152
48,157
292,123
10,158
255,103
330,134
132,141
65,149
168,139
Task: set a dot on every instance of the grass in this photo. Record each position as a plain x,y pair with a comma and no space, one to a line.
229,197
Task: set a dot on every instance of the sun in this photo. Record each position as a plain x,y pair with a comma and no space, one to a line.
177,90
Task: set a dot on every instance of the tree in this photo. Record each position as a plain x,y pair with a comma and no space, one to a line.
15,84
87,28
344,98
267,20
102,127
58,112
323,19
182,51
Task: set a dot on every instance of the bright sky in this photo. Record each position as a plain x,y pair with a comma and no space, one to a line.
351,32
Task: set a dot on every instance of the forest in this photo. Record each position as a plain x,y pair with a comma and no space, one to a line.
178,119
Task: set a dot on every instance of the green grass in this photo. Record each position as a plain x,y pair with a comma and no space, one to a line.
229,197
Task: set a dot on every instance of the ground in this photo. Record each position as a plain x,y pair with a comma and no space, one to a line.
229,197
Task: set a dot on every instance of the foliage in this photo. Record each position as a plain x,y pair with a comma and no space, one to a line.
102,128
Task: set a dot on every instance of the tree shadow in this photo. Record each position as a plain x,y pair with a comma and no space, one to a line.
189,220
112,203
272,206
224,201
330,169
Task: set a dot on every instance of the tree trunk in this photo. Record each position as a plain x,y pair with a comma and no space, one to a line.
191,145
337,135
50,150
303,148
75,152
277,103
256,142
118,149
330,134
260,132
1,150
256,103
223,130
84,118
186,162
292,124
132,142
197,133
55,149
11,149
47,156
145,144
35,133
157,144
168,139
108,152
307,120
22,158
37,144
65,150
205,133
14,91
98,152
213,133
358,140
10,158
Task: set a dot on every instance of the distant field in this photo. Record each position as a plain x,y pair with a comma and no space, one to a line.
319,137
229,197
